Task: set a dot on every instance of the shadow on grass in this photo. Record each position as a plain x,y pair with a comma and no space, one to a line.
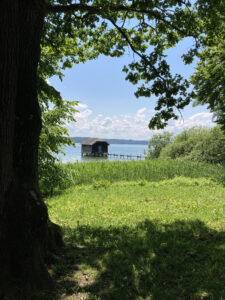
181,260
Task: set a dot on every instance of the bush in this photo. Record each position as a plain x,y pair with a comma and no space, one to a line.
198,144
52,178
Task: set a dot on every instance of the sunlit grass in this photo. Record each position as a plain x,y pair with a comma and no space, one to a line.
142,240
128,203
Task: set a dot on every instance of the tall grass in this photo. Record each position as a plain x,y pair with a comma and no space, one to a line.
155,170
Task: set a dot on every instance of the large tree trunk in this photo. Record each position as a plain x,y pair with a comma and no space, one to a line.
24,225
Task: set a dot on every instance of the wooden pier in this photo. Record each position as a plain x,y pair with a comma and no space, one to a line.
116,155
127,156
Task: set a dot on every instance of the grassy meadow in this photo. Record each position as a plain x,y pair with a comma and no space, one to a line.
141,230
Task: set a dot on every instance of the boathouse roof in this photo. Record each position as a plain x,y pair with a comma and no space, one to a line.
92,141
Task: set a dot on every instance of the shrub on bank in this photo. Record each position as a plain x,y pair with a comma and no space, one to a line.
197,144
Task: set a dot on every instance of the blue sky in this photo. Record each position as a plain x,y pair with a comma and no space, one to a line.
108,107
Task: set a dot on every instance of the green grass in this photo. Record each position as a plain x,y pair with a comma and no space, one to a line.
142,240
154,170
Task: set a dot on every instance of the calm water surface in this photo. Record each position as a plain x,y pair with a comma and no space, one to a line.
74,154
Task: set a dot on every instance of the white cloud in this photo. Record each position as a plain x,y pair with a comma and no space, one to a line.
203,119
82,106
141,111
84,112
129,126
107,122
202,115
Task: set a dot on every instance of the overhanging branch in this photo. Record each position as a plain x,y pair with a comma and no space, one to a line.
143,57
120,8
72,8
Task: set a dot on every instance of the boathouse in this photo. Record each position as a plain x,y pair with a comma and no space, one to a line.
94,147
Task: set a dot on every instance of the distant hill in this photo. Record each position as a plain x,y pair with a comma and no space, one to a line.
113,141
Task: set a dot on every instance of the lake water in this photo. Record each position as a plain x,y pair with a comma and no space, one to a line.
74,154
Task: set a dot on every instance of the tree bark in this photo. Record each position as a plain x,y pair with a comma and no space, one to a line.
26,233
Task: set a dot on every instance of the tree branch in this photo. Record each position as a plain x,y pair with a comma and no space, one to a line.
143,57
72,8
119,8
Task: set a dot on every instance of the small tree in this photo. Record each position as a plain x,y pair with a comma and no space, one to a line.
157,143
56,113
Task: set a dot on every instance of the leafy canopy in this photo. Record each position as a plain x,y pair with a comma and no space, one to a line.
76,31
208,80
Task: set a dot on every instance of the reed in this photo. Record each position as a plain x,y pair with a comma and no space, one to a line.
153,171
